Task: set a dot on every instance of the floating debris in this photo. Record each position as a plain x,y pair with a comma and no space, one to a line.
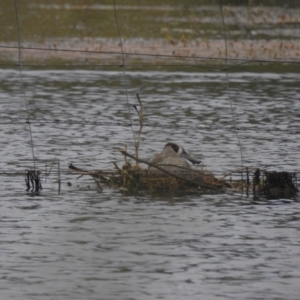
268,184
33,181
247,180
137,178
133,177
279,185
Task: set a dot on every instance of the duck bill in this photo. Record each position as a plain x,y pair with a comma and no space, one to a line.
193,160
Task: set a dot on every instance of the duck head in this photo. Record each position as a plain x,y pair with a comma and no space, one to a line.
175,150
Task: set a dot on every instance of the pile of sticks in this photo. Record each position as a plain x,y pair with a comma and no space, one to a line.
134,177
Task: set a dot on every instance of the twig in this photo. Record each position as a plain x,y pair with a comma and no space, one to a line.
125,157
58,175
92,173
239,170
141,121
47,175
117,167
97,182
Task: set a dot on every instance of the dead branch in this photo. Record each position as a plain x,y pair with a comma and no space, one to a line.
141,121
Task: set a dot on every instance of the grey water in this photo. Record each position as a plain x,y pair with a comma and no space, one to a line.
85,244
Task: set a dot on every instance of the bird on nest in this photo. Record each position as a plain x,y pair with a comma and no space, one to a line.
173,157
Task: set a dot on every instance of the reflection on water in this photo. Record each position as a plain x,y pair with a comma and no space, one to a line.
84,244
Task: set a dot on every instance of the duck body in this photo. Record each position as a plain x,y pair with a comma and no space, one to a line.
173,158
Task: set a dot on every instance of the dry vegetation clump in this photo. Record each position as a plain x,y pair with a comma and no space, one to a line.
257,182
137,178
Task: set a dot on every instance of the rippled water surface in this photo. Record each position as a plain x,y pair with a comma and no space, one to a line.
82,244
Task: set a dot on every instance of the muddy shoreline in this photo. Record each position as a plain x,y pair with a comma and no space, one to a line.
156,51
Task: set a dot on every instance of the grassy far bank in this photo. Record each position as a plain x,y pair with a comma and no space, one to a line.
42,20
149,27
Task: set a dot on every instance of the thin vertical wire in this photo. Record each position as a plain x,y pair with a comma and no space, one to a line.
22,81
228,87
123,68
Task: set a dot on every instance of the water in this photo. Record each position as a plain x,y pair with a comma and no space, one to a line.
82,244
